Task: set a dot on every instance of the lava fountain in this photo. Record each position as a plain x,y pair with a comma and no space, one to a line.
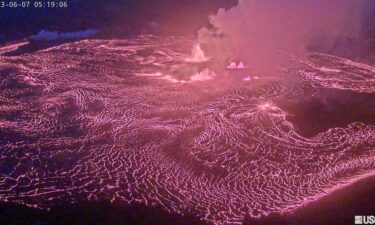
197,55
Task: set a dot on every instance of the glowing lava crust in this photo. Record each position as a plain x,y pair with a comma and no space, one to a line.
119,120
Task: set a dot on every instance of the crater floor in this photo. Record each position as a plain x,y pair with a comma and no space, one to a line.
119,120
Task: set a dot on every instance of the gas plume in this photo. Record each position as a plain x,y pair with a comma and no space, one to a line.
266,33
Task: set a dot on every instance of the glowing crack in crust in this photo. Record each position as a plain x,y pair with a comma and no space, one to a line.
85,121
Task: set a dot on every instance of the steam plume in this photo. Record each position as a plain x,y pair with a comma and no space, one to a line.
264,32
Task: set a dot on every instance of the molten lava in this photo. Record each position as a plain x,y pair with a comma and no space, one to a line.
197,55
240,65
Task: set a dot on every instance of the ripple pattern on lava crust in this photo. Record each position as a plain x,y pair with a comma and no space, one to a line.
335,72
96,120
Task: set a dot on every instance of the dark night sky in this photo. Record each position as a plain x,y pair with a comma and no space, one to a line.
112,17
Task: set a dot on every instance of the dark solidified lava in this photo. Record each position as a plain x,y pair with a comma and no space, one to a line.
108,120
318,111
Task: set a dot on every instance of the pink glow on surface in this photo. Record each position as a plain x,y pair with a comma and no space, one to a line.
248,78
197,55
240,65
147,135
204,75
